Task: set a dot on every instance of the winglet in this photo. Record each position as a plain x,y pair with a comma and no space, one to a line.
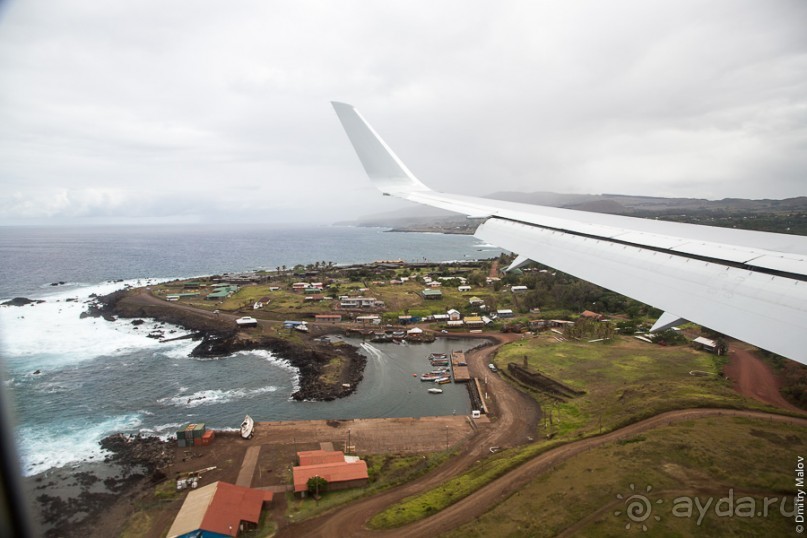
384,168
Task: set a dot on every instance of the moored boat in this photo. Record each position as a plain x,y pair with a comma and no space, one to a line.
431,376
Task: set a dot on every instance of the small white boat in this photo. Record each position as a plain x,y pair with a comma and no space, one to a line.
247,426
436,391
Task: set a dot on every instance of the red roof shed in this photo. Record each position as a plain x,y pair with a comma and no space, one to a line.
219,508
335,473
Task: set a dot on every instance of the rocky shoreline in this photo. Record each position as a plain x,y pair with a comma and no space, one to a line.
68,500
219,338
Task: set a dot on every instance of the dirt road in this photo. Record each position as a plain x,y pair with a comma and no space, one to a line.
350,520
515,418
754,378
482,500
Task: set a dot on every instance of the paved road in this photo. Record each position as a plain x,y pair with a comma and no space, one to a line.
248,467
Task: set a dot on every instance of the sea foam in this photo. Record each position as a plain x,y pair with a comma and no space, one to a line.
53,334
214,396
42,448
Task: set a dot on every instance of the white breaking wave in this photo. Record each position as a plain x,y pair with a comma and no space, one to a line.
181,349
214,396
42,448
282,363
52,334
166,432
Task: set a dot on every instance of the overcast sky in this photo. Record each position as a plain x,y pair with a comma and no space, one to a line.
195,111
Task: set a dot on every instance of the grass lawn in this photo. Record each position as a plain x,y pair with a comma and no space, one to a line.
625,380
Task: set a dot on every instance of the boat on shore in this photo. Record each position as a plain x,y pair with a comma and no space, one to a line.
435,391
247,426
246,321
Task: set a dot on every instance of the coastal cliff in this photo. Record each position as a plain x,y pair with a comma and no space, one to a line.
219,338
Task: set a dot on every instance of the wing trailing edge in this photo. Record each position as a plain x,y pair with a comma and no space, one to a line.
746,284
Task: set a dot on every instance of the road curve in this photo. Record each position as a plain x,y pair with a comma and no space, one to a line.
483,499
516,415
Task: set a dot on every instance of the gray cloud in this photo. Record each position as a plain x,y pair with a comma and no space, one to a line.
194,111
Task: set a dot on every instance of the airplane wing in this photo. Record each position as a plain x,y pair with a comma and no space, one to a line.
750,285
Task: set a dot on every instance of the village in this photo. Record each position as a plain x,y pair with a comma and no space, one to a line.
398,301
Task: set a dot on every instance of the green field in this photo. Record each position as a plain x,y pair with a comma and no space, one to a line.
624,381
703,458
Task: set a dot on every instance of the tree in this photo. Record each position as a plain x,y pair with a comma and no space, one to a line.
317,485
476,278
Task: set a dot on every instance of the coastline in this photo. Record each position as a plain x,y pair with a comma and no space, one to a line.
69,498
219,337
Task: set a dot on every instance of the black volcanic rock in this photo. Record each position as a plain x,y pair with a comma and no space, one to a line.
309,359
130,450
220,339
22,301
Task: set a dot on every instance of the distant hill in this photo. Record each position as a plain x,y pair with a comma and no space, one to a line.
624,204
786,216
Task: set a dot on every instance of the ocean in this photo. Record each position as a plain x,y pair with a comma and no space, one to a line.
73,381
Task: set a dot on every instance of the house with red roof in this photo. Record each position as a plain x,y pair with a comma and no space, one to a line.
319,457
340,471
219,509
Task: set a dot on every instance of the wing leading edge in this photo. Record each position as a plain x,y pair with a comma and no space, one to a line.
750,285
